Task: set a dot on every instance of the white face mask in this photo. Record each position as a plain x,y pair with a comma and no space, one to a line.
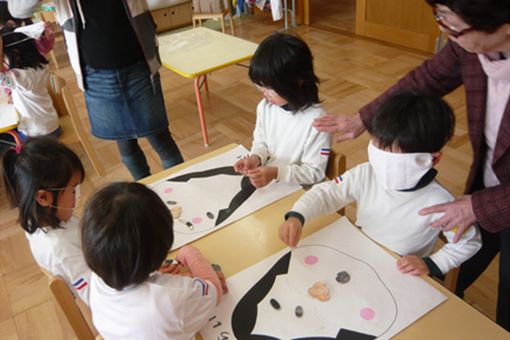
398,171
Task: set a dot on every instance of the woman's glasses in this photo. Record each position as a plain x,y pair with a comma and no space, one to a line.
447,28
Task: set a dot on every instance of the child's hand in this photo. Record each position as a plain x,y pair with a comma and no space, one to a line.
173,267
412,264
48,29
247,163
290,231
223,282
262,176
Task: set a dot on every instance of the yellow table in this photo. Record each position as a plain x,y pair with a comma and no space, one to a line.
9,118
253,238
198,51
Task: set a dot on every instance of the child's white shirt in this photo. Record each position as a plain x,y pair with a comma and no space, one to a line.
59,251
30,97
391,217
165,306
289,141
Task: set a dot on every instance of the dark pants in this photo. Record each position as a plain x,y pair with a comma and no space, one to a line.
475,266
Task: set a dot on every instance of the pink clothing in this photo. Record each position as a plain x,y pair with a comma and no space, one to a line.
498,92
199,267
45,43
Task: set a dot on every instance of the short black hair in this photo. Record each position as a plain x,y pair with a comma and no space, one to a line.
482,15
127,232
42,163
284,63
21,51
413,121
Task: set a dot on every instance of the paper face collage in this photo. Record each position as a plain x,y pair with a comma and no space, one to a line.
368,297
210,195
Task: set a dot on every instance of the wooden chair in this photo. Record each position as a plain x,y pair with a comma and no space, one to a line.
336,166
75,315
83,136
55,85
200,14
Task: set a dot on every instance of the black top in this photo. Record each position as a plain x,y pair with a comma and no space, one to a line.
108,40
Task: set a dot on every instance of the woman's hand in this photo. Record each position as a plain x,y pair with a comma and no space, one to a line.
458,213
346,126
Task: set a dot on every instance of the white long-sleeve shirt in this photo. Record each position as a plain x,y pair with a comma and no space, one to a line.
165,306
59,251
289,141
30,97
391,217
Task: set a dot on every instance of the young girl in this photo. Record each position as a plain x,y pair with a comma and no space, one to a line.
42,180
127,233
27,78
285,145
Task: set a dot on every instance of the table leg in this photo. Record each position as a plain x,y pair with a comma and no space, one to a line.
201,115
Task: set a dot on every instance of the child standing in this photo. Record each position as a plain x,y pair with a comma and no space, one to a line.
408,134
127,233
27,77
42,180
285,145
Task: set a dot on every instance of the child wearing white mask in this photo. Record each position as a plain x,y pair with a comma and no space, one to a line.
42,180
408,134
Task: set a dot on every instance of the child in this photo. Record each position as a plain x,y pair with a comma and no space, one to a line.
42,180
27,77
285,145
408,134
127,233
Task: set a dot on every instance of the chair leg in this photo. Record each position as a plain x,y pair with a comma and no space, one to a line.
222,19
232,29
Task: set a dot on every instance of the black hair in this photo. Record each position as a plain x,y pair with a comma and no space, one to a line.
127,232
21,51
284,63
482,15
42,163
413,121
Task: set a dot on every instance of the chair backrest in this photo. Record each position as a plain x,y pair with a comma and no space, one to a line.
55,85
208,6
336,164
67,302
67,96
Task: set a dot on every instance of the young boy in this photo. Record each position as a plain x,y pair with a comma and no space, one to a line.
408,134
127,233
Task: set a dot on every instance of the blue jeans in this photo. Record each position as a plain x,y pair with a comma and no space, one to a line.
126,104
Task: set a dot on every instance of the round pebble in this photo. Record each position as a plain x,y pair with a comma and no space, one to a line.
343,277
171,202
299,311
210,215
274,303
168,190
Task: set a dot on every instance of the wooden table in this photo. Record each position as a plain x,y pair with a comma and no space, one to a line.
9,118
196,52
255,237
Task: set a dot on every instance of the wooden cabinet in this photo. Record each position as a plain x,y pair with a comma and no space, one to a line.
172,17
408,23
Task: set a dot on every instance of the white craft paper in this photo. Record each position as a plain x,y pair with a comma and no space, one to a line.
8,116
33,31
378,300
200,196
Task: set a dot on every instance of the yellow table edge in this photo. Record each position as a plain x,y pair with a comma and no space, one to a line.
209,70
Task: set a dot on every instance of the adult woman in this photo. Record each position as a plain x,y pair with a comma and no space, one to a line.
113,51
476,56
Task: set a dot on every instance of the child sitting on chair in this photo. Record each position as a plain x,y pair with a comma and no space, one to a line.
408,134
42,179
285,145
27,77
127,233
